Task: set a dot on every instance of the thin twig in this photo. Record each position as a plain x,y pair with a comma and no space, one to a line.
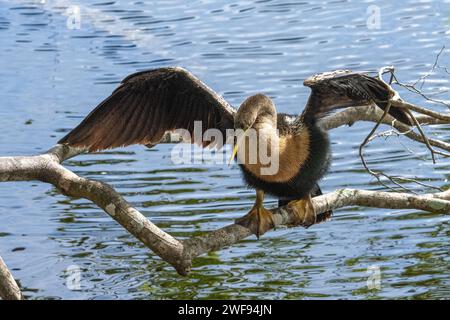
418,126
424,77
437,115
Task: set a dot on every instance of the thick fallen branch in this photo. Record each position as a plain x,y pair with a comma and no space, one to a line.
215,240
9,290
179,253
47,168
373,114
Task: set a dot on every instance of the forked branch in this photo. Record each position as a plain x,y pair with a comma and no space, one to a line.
180,252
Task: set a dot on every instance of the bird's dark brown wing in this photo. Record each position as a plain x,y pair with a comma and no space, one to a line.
343,88
146,105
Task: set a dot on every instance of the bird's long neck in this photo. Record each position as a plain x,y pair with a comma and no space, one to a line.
308,117
279,156
268,135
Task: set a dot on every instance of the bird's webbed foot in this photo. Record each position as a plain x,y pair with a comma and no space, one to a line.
259,220
303,212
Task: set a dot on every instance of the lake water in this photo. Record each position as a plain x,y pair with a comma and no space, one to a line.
53,73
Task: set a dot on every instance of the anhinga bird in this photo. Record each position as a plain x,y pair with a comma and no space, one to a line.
148,104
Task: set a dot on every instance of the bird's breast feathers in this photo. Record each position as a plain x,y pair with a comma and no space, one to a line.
276,158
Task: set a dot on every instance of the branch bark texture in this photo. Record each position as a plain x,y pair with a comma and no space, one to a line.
9,290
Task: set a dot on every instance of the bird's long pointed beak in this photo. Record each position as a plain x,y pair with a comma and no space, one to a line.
236,146
233,155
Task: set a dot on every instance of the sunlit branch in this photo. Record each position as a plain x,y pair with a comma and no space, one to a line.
179,253
9,290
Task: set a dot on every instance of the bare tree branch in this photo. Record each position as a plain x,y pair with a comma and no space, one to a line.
436,115
179,253
373,114
9,290
47,168
413,87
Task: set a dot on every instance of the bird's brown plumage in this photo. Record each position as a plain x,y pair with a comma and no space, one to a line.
344,88
146,105
149,103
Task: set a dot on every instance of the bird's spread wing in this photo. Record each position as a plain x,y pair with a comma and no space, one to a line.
146,105
343,88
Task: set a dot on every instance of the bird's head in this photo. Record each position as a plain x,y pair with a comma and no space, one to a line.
256,112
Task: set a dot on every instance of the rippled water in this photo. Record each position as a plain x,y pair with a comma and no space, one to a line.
51,76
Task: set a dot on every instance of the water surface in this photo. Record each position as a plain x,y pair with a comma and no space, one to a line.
51,76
